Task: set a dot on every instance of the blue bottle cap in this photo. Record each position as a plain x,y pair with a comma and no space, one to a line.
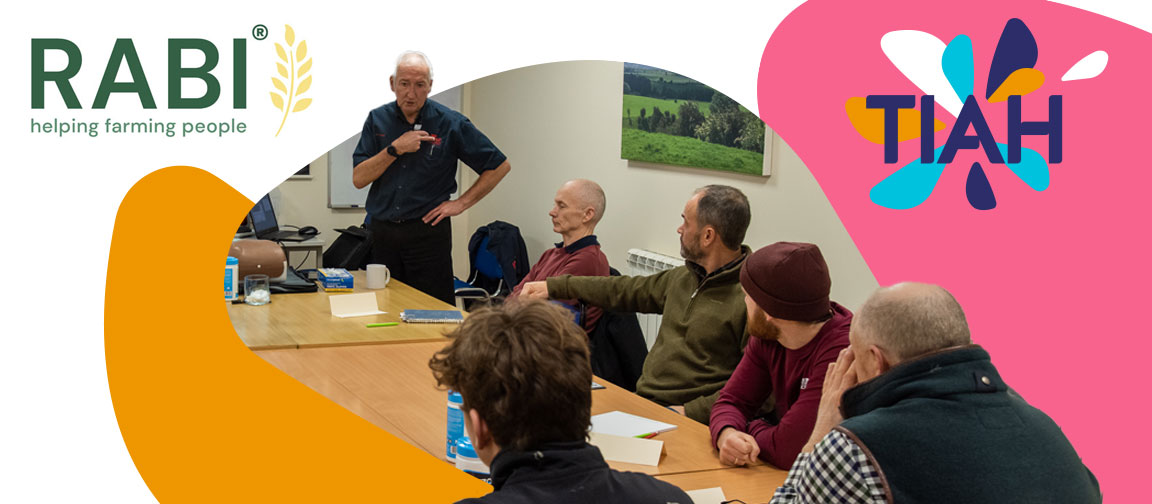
455,397
231,260
464,448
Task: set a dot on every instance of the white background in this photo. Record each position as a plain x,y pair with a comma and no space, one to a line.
59,440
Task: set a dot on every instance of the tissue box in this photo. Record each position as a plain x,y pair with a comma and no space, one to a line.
335,279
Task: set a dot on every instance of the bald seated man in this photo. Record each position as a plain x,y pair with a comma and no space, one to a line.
912,411
577,208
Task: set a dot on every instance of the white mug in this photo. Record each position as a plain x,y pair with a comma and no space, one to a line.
378,276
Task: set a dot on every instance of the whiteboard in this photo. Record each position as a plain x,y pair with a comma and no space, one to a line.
341,192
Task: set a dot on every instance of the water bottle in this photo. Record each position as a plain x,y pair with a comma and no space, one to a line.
231,278
469,462
455,423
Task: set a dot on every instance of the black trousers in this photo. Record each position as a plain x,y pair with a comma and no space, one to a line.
417,254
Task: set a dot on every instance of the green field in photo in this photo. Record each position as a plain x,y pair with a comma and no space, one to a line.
661,148
635,103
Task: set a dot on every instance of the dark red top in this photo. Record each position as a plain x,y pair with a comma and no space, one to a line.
797,377
582,258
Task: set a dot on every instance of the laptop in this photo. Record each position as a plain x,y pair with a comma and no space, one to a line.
262,219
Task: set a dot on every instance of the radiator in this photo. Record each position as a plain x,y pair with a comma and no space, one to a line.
643,263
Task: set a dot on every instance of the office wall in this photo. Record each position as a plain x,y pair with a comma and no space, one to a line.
562,120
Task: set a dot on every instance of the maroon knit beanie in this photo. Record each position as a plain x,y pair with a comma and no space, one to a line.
788,281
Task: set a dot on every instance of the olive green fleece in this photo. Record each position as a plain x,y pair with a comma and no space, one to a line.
701,337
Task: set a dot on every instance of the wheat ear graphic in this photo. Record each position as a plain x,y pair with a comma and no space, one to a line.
283,96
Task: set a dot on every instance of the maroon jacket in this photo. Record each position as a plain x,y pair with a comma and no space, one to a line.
582,258
797,376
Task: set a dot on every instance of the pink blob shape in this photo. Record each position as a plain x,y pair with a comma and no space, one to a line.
1053,281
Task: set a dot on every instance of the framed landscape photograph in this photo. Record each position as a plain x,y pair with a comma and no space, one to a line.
670,119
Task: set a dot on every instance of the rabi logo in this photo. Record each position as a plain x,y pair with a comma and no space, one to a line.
945,73
196,76
124,54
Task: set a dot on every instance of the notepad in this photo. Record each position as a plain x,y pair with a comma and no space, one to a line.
712,495
629,450
354,305
432,316
619,423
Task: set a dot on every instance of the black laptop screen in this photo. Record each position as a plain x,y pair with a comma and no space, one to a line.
263,217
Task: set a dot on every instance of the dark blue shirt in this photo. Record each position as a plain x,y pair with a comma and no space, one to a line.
417,182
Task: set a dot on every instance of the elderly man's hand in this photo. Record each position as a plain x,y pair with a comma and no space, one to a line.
535,290
410,141
450,208
841,376
737,448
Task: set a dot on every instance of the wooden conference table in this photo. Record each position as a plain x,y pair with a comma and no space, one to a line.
391,386
305,320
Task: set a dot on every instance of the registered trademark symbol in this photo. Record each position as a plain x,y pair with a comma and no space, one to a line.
259,32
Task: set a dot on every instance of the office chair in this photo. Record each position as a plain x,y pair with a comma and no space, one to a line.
499,260
486,269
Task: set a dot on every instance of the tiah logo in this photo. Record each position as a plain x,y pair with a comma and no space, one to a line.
946,75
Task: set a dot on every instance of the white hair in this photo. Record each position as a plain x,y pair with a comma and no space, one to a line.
411,55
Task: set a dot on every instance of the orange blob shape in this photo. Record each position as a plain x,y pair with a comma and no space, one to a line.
1020,82
203,417
869,123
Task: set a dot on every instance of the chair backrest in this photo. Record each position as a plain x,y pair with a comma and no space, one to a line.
486,262
351,250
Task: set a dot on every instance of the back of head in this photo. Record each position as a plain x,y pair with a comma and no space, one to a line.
524,368
908,320
726,209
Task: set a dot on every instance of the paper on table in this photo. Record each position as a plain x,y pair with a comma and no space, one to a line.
354,305
619,423
706,495
627,449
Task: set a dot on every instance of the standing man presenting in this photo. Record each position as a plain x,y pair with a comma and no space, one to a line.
408,152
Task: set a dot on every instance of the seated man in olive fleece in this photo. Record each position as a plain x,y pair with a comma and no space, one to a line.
702,334
524,373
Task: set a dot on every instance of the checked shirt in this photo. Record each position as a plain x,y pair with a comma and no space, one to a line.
836,471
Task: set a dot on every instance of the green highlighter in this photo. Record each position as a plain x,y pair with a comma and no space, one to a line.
383,324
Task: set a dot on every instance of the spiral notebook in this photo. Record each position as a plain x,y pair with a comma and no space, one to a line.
432,316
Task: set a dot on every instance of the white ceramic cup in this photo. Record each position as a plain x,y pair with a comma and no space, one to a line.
378,276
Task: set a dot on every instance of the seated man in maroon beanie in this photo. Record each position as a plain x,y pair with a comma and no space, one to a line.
796,333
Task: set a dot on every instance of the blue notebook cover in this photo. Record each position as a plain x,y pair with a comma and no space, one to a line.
432,316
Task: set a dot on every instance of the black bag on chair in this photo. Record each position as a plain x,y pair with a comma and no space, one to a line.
617,347
352,249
